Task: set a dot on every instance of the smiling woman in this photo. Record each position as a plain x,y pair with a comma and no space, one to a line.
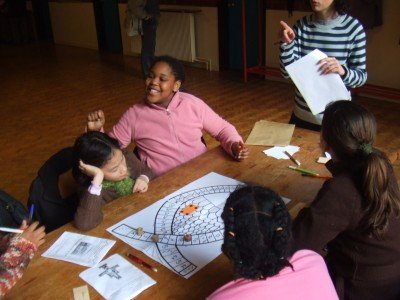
164,81
168,125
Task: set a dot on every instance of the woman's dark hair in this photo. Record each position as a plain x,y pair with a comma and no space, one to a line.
94,148
341,6
257,232
349,130
175,65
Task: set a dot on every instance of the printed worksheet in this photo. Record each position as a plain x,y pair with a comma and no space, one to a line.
117,279
79,249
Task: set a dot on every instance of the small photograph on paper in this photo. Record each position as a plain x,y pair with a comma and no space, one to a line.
80,249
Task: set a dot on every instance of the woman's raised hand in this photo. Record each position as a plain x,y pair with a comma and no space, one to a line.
95,120
286,34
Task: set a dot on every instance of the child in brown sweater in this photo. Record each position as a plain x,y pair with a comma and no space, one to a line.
355,215
105,173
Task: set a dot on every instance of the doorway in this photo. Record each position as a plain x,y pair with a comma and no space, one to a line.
231,37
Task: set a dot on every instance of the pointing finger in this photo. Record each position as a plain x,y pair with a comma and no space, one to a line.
284,25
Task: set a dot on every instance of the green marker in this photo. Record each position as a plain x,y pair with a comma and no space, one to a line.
304,171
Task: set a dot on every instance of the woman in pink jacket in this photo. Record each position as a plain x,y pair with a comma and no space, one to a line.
167,125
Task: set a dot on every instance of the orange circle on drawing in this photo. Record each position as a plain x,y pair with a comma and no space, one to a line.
189,209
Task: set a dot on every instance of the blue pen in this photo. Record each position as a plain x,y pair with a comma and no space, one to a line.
31,210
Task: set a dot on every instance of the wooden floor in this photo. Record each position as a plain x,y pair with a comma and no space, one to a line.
46,92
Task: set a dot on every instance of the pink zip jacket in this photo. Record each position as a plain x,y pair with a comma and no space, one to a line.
167,138
309,279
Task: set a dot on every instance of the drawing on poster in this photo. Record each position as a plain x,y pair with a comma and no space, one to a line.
187,225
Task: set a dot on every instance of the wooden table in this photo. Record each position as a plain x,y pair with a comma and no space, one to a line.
53,279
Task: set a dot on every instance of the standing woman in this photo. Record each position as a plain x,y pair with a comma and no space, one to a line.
148,12
355,216
335,33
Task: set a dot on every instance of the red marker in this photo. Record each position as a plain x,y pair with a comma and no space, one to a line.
141,262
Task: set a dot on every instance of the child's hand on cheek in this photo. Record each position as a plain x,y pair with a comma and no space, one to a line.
141,185
92,171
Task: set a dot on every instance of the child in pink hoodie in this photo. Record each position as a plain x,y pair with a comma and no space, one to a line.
257,241
167,125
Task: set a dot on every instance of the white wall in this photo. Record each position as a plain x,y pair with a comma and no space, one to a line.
206,32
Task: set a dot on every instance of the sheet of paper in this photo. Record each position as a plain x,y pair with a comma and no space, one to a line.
318,90
266,133
324,159
278,152
194,209
117,279
80,249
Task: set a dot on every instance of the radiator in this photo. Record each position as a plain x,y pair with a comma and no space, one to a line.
175,36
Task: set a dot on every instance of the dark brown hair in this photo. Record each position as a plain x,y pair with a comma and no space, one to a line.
341,6
257,232
350,130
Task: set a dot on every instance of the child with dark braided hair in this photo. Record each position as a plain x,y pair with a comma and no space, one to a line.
356,214
257,240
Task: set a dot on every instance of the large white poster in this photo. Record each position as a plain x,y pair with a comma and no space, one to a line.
184,231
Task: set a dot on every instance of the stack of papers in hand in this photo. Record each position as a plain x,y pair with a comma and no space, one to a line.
79,249
318,90
117,279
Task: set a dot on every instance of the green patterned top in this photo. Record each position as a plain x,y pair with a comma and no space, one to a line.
123,187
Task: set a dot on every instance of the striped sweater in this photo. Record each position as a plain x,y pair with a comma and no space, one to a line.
342,38
16,253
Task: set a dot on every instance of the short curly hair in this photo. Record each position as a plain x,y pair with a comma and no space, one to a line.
257,232
176,66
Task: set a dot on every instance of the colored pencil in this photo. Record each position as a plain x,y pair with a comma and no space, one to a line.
292,158
303,171
31,210
316,176
141,262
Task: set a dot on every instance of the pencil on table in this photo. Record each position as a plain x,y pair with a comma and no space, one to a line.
316,176
141,262
303,171
292,158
